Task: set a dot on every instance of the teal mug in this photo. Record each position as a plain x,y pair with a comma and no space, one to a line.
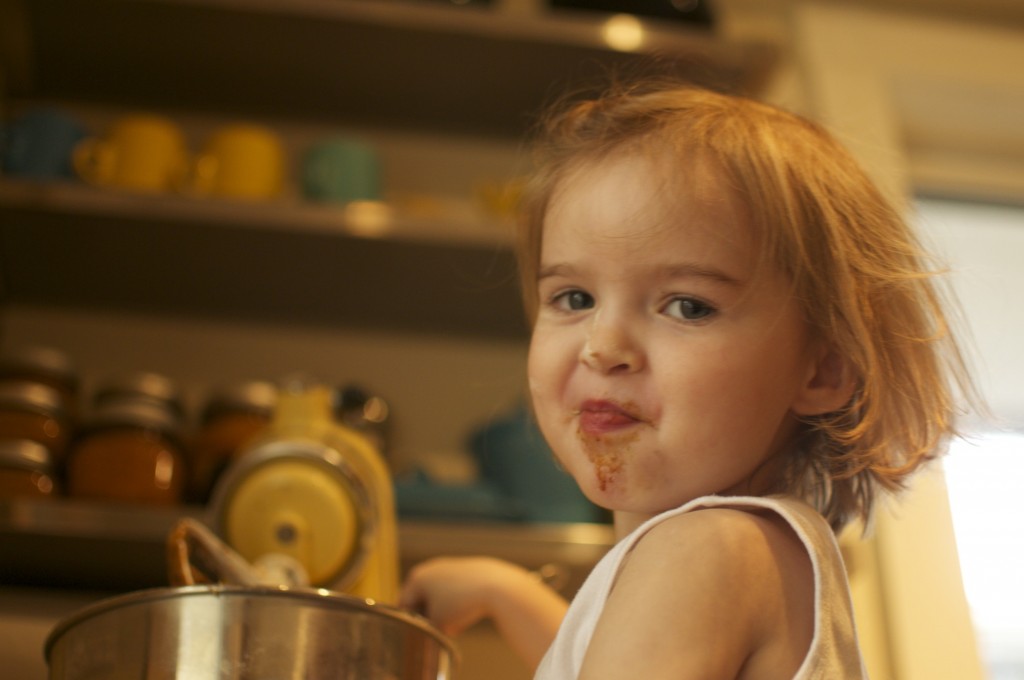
513,458
341,170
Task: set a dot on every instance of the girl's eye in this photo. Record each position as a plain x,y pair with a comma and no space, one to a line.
689,309
574,300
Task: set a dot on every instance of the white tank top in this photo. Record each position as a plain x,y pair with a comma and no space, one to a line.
833,653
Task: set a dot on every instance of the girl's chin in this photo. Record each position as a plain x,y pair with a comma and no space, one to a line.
605,487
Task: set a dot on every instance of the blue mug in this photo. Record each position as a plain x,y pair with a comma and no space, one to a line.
39,144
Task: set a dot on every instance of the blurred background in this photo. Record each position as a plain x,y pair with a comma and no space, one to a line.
222,193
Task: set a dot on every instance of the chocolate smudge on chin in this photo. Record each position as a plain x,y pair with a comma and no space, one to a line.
607,453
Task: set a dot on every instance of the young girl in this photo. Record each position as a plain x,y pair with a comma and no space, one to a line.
736,346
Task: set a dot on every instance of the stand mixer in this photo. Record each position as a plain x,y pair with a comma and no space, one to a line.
314,492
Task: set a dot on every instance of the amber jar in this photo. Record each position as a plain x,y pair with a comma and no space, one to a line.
231,417
46,366
26,470
143,386
128,451
34,412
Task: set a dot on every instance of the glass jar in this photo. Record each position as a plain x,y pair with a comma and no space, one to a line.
46,366
34,412
142,386
232,416
128,451
26,470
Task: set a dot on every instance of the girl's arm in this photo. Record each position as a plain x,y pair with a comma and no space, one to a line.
456,592
716,594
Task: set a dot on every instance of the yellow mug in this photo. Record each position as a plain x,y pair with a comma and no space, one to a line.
240,160
139,152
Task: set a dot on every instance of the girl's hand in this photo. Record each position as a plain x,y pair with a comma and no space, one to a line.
457,592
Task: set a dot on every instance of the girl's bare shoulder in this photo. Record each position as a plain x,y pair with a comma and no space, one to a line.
709,594
722,535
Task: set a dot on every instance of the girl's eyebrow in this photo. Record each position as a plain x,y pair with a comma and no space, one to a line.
690,270
674,271
554,270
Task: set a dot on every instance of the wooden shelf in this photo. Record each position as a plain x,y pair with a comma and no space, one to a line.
71,543
410,65
362,220
74,246
399,63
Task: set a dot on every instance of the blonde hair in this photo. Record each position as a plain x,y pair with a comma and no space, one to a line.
865,284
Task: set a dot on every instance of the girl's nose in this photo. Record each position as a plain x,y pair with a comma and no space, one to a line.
611,348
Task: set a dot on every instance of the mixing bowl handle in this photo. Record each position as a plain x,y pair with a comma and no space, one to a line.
196,556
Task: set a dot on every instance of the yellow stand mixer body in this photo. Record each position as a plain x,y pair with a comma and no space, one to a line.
317,492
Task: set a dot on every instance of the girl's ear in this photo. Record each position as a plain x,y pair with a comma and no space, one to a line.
829,387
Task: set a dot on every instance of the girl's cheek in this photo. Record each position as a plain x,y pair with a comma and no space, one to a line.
538,391
540,366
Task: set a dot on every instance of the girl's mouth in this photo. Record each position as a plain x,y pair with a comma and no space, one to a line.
606,430
601,417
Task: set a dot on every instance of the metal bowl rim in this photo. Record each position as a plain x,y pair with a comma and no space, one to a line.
316,596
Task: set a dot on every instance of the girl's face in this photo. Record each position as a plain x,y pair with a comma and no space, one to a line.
659,370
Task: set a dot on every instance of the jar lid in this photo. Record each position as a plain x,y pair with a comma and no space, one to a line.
45,362
255,396
133,413
143,385
25,454
34,396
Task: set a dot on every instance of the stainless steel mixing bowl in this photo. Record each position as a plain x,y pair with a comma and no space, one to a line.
245,633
